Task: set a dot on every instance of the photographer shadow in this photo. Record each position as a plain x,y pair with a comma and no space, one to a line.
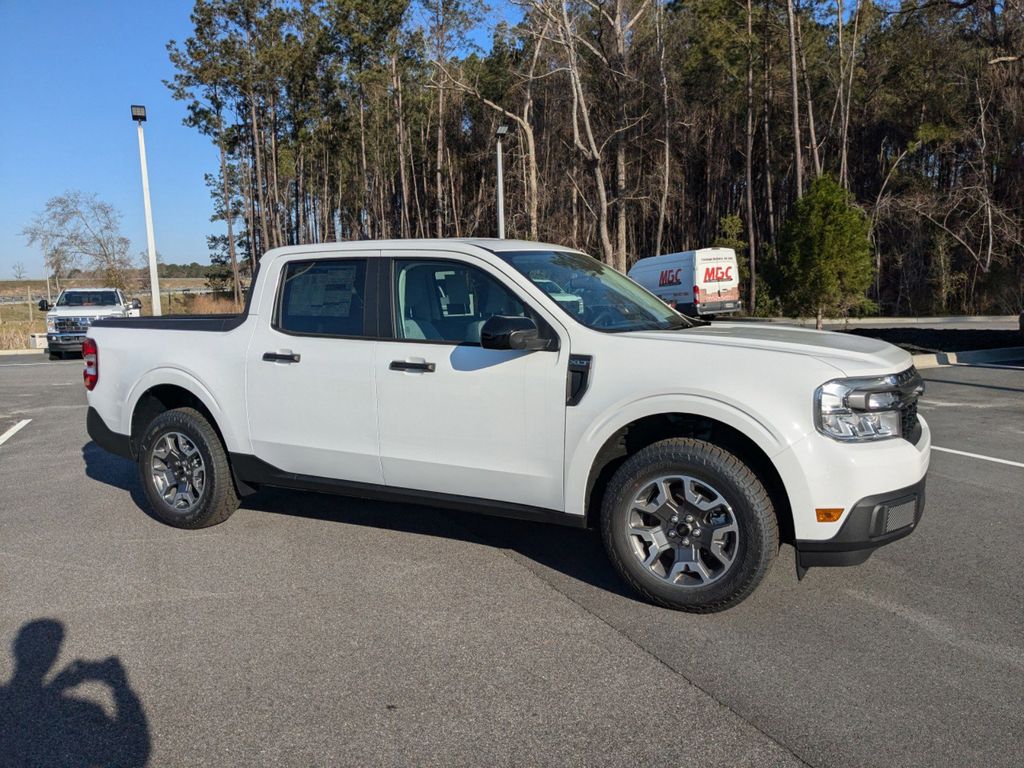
44,724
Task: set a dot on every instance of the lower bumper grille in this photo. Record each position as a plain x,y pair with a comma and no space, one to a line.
900,516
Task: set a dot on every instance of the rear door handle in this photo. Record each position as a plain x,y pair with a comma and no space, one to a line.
284,356
405,365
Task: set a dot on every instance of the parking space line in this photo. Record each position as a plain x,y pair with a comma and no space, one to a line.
979,456
13,431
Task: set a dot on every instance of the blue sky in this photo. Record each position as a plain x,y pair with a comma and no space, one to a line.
69,71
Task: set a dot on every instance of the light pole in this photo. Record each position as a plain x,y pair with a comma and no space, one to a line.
500,133
139,116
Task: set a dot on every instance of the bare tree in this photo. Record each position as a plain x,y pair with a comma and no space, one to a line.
78,227
19,270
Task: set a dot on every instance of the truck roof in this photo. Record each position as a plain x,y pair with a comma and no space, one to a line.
493,244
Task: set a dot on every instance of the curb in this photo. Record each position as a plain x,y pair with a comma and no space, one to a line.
893,322
21,351
939,359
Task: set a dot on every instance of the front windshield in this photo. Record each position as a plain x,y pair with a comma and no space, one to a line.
88,299
593,293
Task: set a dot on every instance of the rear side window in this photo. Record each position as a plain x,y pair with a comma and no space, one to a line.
323,297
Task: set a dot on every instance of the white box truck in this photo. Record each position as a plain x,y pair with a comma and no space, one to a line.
697,283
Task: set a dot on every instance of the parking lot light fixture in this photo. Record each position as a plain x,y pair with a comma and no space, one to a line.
139,116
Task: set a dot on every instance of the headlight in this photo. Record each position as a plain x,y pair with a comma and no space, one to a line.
857,410
51,325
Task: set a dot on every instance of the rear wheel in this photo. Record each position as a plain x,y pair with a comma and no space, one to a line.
185,472
689,526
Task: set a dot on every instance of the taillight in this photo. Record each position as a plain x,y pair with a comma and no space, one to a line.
696,294
91,355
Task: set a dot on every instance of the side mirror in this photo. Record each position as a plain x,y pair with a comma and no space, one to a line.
44,305
509,332
136,304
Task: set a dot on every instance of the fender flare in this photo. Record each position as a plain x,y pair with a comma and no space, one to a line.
177,377
618,416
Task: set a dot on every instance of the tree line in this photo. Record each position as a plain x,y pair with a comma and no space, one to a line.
638,127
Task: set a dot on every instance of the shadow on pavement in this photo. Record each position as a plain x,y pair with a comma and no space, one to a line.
576,553
114,470
44,724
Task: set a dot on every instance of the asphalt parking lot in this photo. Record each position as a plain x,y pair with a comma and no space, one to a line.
311,630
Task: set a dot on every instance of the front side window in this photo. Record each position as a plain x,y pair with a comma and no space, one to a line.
88,299
323,297
593,293
447,301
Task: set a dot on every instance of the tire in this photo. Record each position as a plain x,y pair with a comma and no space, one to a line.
740,529
191,435
56,355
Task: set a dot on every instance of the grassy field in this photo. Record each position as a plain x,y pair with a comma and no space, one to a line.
17,289
15,325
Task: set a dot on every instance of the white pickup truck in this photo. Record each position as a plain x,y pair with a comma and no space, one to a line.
76,309
443,372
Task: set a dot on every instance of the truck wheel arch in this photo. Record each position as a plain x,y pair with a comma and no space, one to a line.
156,398
617,444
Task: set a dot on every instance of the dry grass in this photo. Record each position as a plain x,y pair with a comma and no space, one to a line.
15,326
14,335
206,304
191,304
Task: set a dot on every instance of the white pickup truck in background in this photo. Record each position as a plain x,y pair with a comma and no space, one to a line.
76,309
527,380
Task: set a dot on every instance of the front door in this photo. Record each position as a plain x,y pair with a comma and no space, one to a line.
309,371
456,418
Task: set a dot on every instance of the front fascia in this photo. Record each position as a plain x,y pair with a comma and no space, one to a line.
822,473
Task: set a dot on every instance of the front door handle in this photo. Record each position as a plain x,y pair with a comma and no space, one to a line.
284,356
405,365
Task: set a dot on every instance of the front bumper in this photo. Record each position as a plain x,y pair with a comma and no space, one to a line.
873,522
65,342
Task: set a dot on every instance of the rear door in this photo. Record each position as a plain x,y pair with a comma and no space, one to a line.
309,369
718,279
456,418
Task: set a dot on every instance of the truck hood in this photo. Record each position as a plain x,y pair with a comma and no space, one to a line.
93,312
852,355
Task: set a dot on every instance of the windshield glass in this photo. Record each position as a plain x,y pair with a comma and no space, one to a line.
593,293
88,299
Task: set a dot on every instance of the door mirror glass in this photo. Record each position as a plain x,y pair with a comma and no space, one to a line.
508,332
44,305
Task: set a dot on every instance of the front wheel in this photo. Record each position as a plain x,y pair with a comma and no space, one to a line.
689,526
185,472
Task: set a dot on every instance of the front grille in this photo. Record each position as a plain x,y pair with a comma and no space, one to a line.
72,324
900,516
910,421
911,386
